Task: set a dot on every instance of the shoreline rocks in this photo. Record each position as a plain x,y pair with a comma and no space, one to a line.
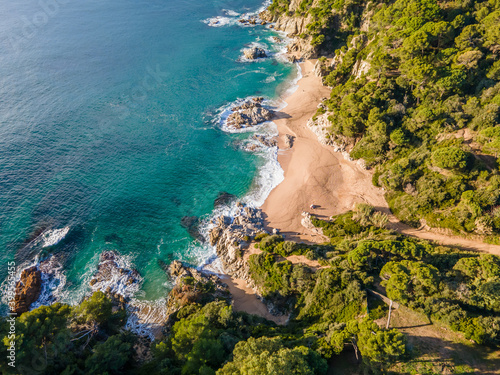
254,53
193,286
250,113
231,235
27,290
113,278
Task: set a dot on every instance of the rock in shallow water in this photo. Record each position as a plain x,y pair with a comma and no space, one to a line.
28,289
192,223
248,114
224,198
254,53
113,277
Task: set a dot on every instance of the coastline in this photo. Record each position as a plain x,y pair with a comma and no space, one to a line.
315,174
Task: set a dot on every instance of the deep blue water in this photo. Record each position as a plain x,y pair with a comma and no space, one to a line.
106,127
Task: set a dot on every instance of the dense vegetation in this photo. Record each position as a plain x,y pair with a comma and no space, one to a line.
329,306
423,114
416,93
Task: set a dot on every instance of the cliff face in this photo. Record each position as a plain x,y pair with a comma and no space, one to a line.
294,26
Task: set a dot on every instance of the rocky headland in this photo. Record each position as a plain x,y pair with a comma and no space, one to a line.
231,235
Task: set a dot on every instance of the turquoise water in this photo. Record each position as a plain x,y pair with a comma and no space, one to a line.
107,127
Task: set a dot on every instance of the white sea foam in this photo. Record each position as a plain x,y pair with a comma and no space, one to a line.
53,236
220,21
117,282
230,12
146,318
53,282
232,17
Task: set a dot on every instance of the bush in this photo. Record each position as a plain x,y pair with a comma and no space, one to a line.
268,243
449,158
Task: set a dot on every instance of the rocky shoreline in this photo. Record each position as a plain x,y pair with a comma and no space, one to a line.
229,235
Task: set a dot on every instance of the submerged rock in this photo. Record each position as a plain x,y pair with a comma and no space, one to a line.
27,290
254,53
224,198
192,223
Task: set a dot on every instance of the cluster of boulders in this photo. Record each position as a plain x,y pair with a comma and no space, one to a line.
250,113
289,140
114,279
265,140
251,21
254,53
231,235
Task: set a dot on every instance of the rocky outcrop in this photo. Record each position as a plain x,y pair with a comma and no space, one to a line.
320,126
250,113
193,286
294,26
27,290
289,140
308,224
254,53
265,141
231,235
114,278
321,68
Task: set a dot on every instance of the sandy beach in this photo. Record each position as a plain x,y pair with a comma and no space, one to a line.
314,173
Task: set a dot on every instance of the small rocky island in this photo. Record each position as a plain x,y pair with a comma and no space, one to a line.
250,113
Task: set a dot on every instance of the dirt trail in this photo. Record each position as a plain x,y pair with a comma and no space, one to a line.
315,174
442,239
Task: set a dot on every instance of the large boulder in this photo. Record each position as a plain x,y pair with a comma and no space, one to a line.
254,53
28,289
224,199
250,113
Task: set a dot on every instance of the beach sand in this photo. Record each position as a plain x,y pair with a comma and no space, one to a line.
314,173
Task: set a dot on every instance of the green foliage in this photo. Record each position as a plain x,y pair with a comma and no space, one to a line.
432,79
409,280
380,347
268,243
97,308
270,356
449,158
111,356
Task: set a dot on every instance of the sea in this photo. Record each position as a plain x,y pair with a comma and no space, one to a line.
112,130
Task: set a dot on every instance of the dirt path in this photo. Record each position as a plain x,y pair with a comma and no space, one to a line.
455,241
315,174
